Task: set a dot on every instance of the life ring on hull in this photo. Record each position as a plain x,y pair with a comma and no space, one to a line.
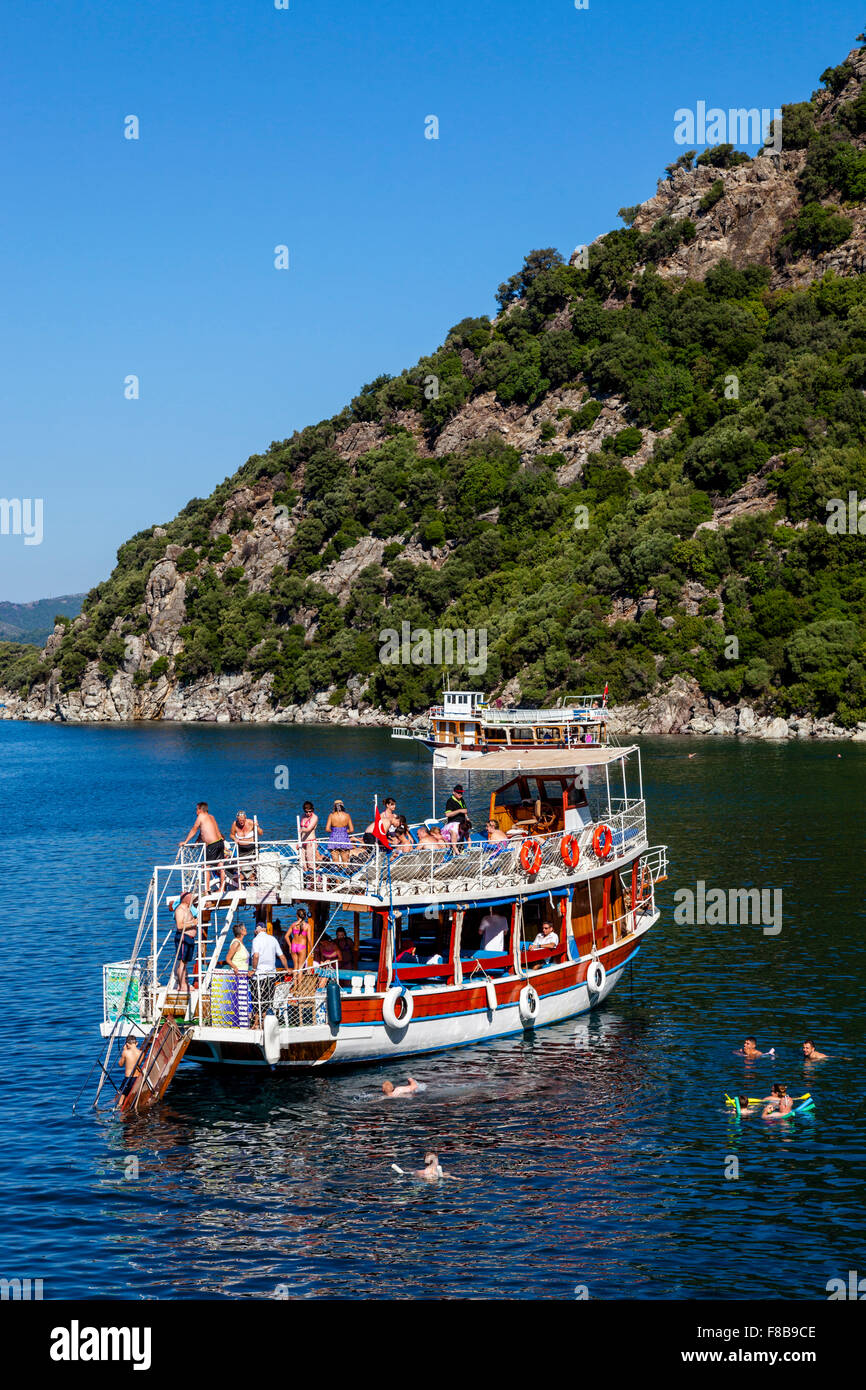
569,849
530,856
528,1005
398,996
271,1039
602,842
596,977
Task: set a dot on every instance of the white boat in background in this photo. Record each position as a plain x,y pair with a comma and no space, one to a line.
466,721
575,857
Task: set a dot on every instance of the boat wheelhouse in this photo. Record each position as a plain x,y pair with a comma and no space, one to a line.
567,878
466,720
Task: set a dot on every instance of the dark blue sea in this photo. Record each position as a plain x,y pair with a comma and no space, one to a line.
594,1156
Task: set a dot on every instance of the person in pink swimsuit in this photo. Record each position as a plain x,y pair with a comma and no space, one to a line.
298,940
309,821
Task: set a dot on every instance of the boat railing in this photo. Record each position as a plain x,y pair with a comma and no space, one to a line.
298,998
567,714
469,867
283,869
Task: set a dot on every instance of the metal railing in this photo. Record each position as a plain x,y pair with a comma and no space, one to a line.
283,868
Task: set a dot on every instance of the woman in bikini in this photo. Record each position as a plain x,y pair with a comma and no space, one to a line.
298,937
339,827
309,821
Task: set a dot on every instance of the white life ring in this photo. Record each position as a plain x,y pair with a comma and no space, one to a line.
491,996
271,1039
596,977
398,995
528,1005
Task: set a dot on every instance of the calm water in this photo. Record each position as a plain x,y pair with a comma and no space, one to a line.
593,1154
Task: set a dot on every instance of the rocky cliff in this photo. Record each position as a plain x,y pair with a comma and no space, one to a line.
603,388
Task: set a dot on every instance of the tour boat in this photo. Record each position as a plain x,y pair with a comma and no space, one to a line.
466,720
568,853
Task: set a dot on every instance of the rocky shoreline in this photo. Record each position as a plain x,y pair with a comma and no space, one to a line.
678,708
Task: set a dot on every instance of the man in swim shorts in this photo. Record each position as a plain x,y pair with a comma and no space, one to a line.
209,834
130,1058
185,932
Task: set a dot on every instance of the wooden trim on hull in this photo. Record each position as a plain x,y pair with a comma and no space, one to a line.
443,1019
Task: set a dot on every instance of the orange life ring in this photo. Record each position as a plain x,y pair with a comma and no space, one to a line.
569,848
530,856
602,842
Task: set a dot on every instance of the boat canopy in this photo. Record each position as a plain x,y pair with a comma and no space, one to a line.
534,759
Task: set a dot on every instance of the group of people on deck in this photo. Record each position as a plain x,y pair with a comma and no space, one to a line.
389,829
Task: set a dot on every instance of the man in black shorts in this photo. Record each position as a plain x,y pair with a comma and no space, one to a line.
210,835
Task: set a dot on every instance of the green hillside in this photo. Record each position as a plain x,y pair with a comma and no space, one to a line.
743,378
34,622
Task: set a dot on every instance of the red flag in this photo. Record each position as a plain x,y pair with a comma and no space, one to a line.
604,696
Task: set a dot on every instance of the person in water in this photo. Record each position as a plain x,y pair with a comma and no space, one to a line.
393,1092
208,832
432,1170
780,1105
750,1050
745,1107
238,956
811,1054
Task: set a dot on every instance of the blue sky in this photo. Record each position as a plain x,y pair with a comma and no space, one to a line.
304,127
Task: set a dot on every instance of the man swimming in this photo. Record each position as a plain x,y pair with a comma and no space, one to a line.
811,1054
393,1092
431,1172
750,1050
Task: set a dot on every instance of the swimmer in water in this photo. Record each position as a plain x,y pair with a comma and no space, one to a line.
431,1172
393,1092
780,1106
810,1054
745,1107
750,1050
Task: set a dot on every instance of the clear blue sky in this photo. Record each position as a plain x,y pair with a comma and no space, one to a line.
305,127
